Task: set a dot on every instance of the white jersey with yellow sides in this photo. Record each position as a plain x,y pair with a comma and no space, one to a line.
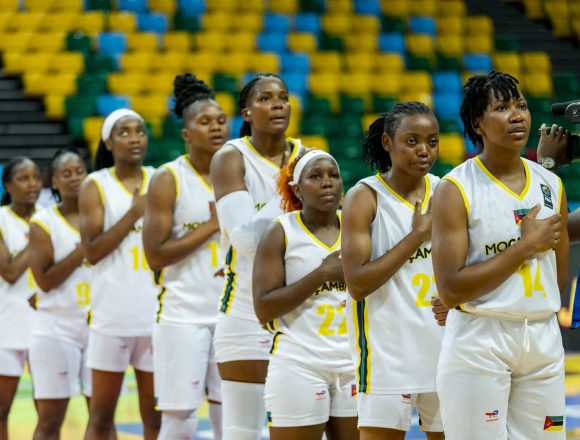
123,291
260,178
314,333
494,215
16,314
189,289
62,312
394,339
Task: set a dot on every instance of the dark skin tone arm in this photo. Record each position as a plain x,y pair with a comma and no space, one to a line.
458,283
272,297
227,172
160,249
96,243
48,274
362,275
12,268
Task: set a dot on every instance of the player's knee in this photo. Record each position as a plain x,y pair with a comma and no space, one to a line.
49,427
151,419
4,411
101,422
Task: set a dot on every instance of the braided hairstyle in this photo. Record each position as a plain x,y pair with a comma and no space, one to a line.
289,200
373,151
477,95
187,89
8,174
246,129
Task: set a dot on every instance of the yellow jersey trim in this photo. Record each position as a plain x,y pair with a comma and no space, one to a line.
99,189
498,182
65,221
175,179
42,225
315,238
560,194
461,191
205,183
405,201
293,154
142,190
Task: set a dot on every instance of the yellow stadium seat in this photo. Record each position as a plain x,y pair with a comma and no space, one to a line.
160,83
361,42
170,62
12,62
5,18
166,6
256,6
68,62
420,44
343,6
479,43
451,148
264,62
326,62
368,24
68,6
424,7
417,81
386,83
217,21
425,98
54,105
236,63
508,62
9,5
248,22
151,106
534,9
450,25
323,83
360,61
122,83
57,84
302,42
396,8
92,22
25,21
285,6
59,21
15,42
355,83
92,127
147,41
176,41
561,26
48,42
19,62
367,119
122,22
537,62
315,141
203,61
336,24
137,61
227,103
39,5
389,62
241,42
221,5
478,25
210,41
574,10
451,8
537,83
450,45
296,104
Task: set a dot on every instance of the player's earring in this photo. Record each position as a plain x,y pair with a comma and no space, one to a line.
249,113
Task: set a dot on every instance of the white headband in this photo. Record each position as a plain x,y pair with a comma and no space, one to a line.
113,118
304,160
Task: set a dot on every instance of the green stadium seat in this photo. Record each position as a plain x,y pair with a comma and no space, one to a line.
418,62
352,171
172,128
102,5
75,126
566,84
449,63
347,125
331,42
381,104
352,104
98,62
449,126
316,124
318,105
186,23
348,148
506,43
80,105
78,42
225,83
440,168
92,84
392,24
318,6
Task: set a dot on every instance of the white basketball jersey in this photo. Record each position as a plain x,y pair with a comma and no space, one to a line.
16,315
260,179
189,289
494,215
123,291
67,304
314,333
394,338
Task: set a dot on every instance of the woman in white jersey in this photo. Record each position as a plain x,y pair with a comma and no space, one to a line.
300,293
386,250
22,185
244,175
60,330
181,239
123,293
500,251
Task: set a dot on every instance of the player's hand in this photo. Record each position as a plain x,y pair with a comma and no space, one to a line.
422,222
554,144
439,310
32,300
213,217
220,273
332,267
541,235
138,206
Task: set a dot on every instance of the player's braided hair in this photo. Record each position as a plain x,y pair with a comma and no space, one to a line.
372,148
187,89
476,97
246,129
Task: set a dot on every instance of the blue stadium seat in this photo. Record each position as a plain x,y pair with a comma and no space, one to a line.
423,25
139,6
191,8
108,103
112,43
297,83
272,42
367,7
235,125
295,62
477,62
276,23
392,42
307,22
447,105
154,22
469,146
447,81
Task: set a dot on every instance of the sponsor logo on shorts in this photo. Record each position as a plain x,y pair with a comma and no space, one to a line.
265,343
320,395
353,390
554,423
492,416
123,347
63,373
406,398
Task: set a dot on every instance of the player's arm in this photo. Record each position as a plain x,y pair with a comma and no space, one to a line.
362,275
48,274
562,249
96,242
11,268
458,283
160,248
272,297
574,225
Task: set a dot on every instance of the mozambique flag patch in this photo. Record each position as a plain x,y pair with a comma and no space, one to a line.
519,214
554,423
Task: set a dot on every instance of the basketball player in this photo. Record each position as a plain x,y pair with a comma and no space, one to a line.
500,251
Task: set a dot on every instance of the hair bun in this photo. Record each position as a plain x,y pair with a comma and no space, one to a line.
187,89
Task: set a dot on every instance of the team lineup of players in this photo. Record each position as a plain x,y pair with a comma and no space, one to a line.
327,320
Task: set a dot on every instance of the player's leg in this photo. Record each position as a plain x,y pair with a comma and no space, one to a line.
384,416
343,421
11,367
213,383
142,361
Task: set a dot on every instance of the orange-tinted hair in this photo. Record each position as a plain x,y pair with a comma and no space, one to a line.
289,200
